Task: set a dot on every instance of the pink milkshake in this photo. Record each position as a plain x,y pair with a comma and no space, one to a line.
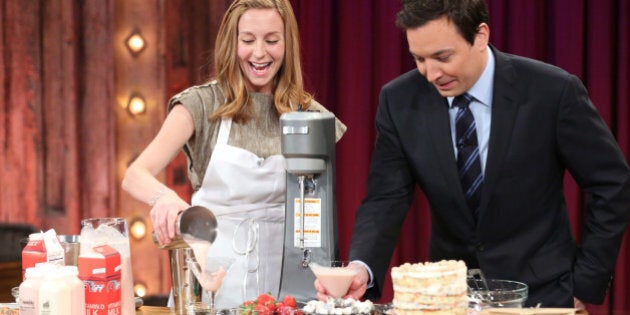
336,280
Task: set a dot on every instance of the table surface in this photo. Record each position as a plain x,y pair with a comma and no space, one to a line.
10,276
150,310
532,311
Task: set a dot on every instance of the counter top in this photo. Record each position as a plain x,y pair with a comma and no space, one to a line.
150,310
532,311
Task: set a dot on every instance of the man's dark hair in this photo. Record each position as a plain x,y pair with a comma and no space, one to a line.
465,14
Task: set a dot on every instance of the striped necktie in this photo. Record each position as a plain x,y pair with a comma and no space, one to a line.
468,161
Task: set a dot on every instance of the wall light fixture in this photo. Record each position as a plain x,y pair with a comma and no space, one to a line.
135,42
136,104
138,228
140,289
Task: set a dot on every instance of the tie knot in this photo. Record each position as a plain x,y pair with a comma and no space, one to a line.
462,101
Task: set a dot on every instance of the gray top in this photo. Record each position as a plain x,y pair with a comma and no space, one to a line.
260,135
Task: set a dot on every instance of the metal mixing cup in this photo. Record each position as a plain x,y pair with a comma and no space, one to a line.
186,287
71,248
200,223
196,222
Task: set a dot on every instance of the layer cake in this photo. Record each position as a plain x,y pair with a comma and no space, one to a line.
434,288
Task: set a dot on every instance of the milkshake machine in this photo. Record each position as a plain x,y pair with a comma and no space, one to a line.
308,145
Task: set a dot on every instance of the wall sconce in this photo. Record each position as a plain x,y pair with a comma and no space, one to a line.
135,42
136,104
140,289
138,228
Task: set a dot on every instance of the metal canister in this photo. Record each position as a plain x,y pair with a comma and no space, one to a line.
186,287
198,222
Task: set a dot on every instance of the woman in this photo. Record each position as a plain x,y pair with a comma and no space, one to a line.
229,129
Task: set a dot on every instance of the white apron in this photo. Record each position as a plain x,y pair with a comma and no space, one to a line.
247,194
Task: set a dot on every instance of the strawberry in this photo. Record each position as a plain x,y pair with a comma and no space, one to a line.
271,307
262,310
289,301
247,308
285,310
265,299
266,304
248,303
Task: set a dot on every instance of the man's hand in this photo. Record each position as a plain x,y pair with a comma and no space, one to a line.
579,305
357,288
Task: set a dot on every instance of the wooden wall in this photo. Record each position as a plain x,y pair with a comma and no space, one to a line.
66,137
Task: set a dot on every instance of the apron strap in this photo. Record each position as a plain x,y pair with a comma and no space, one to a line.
249,250
224,131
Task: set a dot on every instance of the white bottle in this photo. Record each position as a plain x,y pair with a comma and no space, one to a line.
54,294
29,291
77,290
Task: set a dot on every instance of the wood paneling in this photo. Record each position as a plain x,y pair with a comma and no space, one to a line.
60,50
65,137
58,148
22,185
97,146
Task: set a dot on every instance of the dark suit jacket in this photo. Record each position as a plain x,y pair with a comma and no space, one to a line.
543,123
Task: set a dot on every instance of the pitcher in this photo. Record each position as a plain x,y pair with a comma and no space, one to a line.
115,233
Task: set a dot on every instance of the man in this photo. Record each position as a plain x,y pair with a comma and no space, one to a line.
493,169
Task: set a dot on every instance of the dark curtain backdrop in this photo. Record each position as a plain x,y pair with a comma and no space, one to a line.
351,48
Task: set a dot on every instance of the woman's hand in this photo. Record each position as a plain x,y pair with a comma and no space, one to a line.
140,177
164,216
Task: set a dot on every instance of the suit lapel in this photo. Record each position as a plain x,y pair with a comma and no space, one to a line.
504,110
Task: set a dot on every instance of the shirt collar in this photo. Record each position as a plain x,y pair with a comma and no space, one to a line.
482,89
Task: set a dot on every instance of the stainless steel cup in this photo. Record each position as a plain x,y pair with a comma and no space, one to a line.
186,287
23,243
71,247
196,222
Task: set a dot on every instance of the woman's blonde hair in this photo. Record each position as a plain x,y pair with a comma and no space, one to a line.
288,86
